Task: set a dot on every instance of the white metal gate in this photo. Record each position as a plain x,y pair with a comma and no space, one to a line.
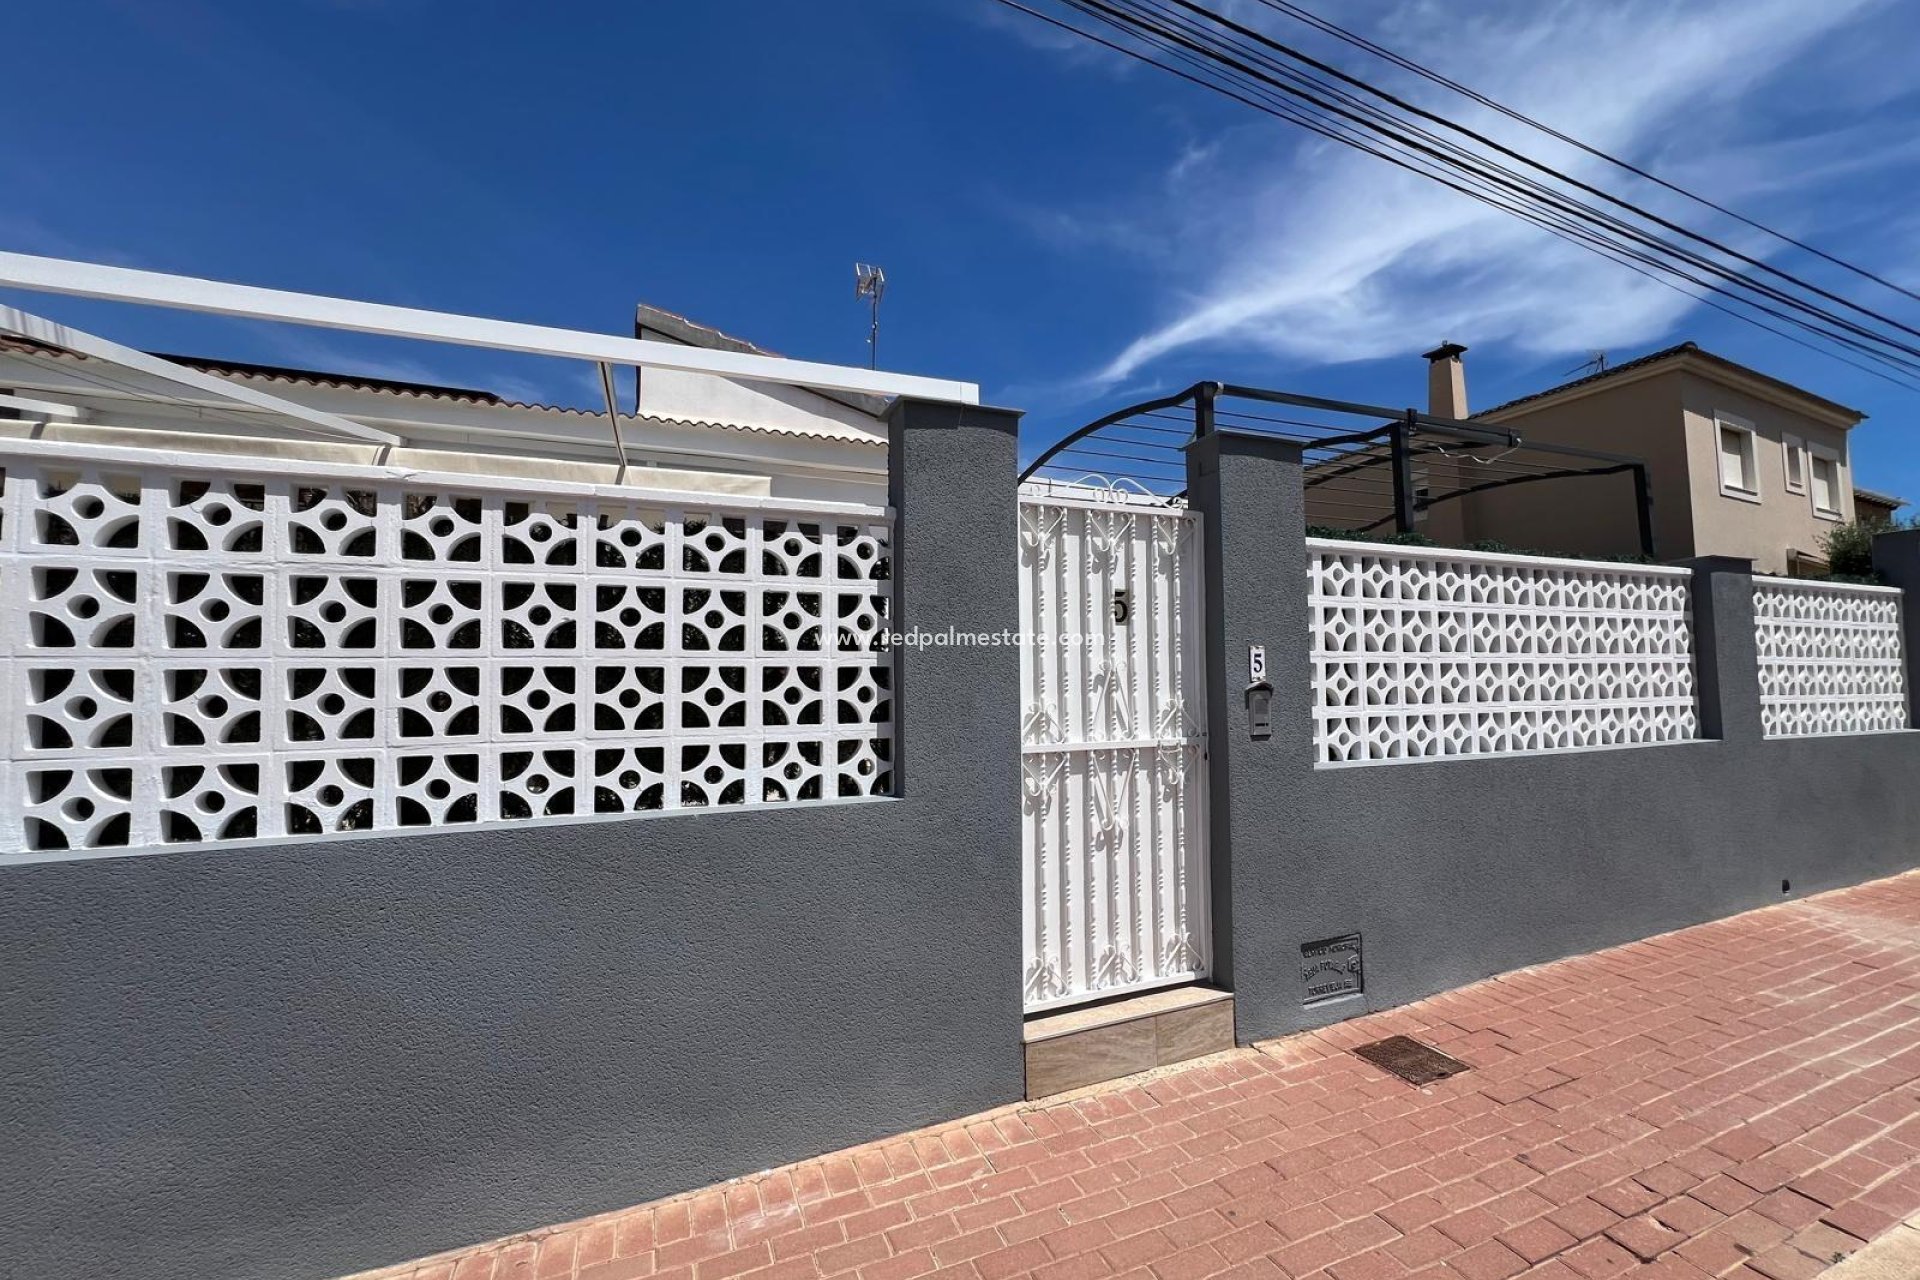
1113,732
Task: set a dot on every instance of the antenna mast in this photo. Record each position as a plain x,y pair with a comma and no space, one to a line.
870,282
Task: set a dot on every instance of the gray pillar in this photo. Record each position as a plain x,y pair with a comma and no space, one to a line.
1726,668
1247,489
951,472
952,482
1896,558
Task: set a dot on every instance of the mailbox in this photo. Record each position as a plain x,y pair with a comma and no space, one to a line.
1260,709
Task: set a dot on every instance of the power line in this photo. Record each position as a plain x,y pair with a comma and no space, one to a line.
1140,17
1565,216
1361,42
1559,176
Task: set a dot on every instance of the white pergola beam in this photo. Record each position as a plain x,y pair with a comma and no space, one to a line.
38,408
56,334
124,284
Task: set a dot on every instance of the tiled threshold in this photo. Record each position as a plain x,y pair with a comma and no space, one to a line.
1088,1045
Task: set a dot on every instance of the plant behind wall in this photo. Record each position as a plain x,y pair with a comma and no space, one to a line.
1849,547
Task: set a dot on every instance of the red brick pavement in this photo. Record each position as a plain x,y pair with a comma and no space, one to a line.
1741,1098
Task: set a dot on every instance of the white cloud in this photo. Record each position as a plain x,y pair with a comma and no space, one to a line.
1314,252
20,233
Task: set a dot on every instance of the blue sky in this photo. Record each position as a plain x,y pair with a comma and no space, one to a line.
1065,229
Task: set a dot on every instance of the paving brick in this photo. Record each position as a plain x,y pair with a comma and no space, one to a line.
1087,1266
1538,1240
1763,1175
1666,1179
1740,1145
1488,1261
1470,1227
1422,1248
851,1256
1302,1258
1138,1250
1860,1220
1753,1233
965,1248
1375,1264
1248,1242
1639,1102
1406,1216
873,1221
1790,1209
1626,1198
1583,1218
1786,1263
1724,1194
1014,1260
810,1240
633,1268
1643,1237
1599,1259
1713,1252
1686,1215
1824,1242
791,1269
737,1262
1824,1186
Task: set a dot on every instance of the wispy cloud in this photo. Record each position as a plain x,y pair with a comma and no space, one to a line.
20,233
1037,34
1313,252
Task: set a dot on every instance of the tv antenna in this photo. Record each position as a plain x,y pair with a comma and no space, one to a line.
1594,363
871,282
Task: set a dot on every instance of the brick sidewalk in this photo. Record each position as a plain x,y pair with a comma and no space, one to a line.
1741,1098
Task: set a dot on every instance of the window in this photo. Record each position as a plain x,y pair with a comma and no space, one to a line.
1739,478
1796,452
1824,469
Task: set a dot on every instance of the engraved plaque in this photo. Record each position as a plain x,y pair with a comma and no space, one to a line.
1330,969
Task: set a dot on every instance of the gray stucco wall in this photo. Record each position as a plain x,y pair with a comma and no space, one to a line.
303,1059
306,1059
1452,870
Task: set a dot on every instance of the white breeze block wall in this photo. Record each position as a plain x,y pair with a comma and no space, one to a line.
1831,658
214,649
1421,653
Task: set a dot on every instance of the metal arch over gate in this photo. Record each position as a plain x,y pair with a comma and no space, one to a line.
1113,755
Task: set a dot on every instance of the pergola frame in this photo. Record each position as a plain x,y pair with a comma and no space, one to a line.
213,297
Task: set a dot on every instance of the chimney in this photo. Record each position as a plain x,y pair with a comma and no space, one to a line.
1446,381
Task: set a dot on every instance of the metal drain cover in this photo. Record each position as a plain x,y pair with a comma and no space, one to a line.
1412,1061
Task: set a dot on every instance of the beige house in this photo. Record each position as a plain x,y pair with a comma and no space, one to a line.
1875,508
1741,464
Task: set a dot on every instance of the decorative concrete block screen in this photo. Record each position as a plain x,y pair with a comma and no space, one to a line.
216,649
1830,658
1422,653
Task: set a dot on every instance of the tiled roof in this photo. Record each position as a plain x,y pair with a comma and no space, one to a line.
1874,495
421,390
1670,353
317,378
280,373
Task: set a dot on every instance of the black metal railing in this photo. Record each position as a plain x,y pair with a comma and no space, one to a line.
1364,479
